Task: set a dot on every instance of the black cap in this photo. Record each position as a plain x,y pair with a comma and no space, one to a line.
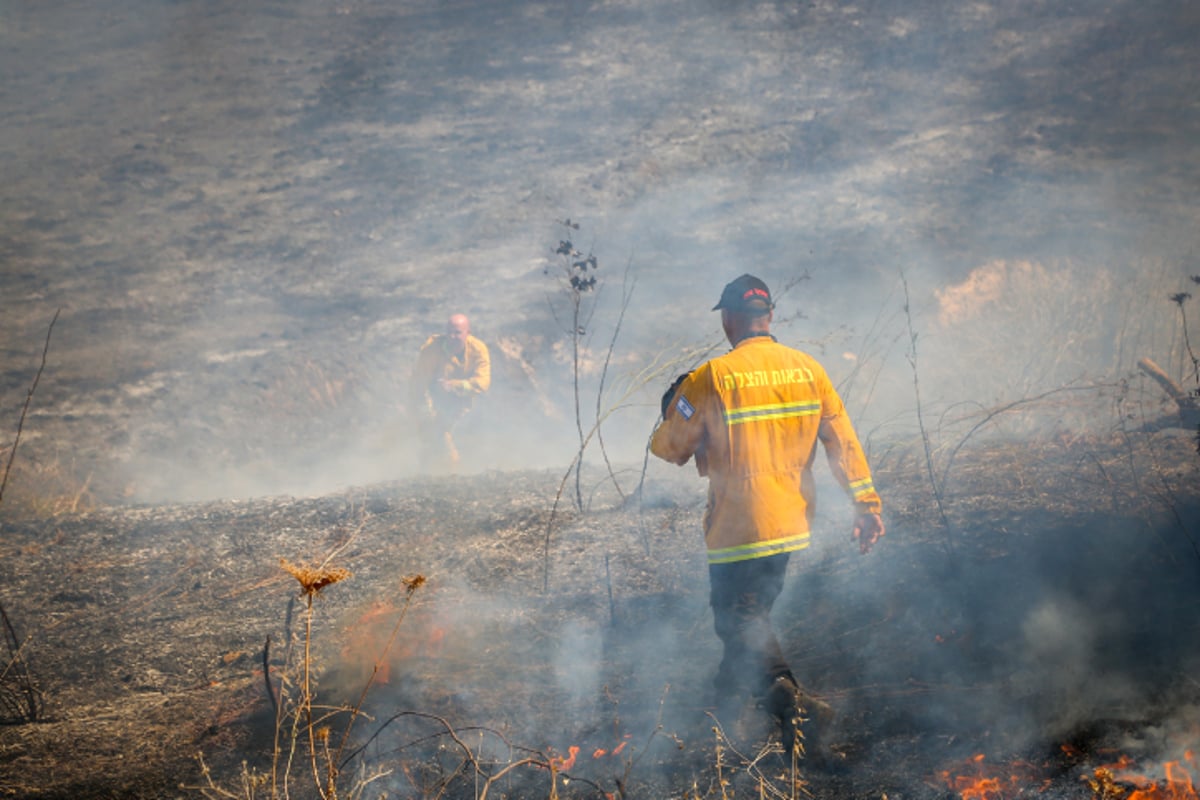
745,293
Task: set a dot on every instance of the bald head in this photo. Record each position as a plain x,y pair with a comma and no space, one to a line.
458,328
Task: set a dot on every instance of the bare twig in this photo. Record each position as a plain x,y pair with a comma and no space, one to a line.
649,373
578,278
411,585
912,360
612,606
266,667
991,414
627,285
1179,299
12,454
30,707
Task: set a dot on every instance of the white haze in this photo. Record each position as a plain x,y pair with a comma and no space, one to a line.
858,145
254,214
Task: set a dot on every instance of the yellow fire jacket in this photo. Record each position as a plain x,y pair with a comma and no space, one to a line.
752,419
468,369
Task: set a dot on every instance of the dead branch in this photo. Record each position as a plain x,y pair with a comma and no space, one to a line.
1173,389
1188,404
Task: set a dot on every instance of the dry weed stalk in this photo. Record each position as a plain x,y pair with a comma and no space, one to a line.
411,585
658,367
25,408
577,279
934,484
312,580
1194,395
24,700
308,720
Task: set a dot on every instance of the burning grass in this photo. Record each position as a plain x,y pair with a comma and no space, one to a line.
439,668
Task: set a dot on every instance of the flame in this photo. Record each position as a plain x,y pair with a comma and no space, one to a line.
421,635
975,780
1177,785
992,783
560,764
600,752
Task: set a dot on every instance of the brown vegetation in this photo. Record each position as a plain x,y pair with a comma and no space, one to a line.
145,630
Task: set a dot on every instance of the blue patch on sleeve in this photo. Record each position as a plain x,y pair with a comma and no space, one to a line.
684,407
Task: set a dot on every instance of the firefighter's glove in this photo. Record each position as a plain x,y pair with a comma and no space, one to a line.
669,395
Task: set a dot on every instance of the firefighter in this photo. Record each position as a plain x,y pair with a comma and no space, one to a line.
752,419
452,369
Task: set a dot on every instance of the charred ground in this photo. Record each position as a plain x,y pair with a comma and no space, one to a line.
252,214
1053,623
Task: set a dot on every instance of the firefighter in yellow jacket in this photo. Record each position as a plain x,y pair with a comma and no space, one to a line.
452,369
752,419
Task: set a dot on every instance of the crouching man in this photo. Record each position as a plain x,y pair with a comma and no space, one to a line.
453,368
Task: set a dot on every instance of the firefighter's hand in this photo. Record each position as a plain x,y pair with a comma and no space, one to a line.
868,529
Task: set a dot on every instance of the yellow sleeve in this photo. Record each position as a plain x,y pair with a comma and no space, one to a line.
681,434
844,452
481,374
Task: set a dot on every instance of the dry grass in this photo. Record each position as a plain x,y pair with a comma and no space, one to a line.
46,487
315,756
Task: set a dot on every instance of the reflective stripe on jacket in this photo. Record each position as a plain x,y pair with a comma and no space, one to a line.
752,419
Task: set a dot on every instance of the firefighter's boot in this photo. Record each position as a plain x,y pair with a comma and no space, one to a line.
782,703
803,719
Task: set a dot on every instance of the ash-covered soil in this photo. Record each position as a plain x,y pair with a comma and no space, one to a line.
248,216
1052,625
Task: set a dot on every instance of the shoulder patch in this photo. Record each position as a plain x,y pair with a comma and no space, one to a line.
684,407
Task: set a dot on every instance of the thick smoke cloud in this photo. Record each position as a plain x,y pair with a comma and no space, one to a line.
219,194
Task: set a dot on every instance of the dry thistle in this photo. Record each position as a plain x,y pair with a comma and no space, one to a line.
314,579
413,582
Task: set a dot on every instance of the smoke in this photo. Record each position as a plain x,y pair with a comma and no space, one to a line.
253,218
327,184
1066,666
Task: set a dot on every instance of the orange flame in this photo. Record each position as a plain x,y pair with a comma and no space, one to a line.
1178,784
991,783
560,764
600,752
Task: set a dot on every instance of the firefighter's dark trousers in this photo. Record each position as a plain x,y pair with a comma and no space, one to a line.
742,594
